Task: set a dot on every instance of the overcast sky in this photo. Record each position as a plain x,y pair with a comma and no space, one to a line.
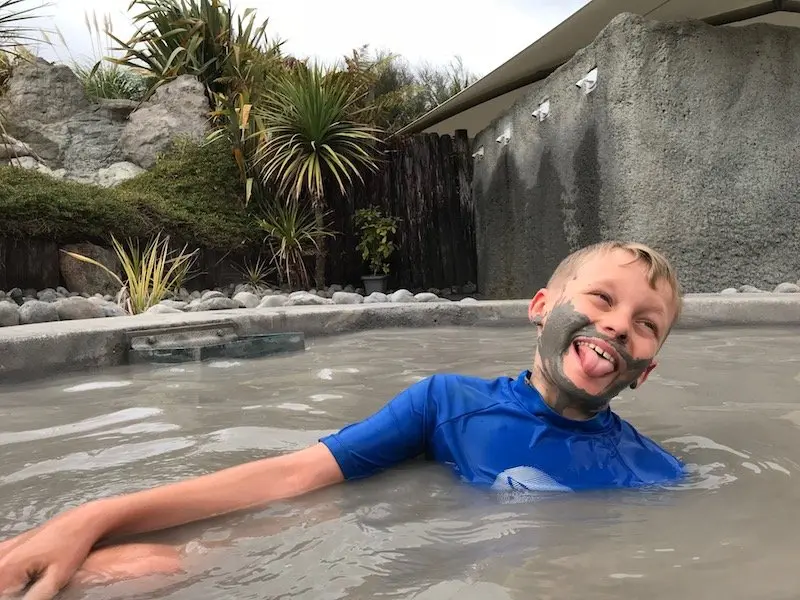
484,33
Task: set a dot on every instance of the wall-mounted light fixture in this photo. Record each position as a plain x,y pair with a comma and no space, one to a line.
588,83
478,153
504,137
543,111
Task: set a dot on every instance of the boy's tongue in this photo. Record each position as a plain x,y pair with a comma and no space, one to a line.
592,363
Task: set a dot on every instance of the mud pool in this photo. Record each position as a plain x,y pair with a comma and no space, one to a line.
727,402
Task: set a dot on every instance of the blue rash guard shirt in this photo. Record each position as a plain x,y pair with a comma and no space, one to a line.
500,433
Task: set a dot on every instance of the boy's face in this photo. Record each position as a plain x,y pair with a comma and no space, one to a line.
600,331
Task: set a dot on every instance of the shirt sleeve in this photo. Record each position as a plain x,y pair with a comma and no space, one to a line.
397,432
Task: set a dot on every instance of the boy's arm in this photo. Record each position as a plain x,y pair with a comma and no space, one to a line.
53,552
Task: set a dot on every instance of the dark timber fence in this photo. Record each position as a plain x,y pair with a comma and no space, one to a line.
426,181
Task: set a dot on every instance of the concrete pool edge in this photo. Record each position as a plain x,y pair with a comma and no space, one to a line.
43,349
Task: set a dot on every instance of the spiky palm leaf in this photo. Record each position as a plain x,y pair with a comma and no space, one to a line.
313,133
13,20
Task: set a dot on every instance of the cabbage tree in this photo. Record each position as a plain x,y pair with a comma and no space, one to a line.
314,139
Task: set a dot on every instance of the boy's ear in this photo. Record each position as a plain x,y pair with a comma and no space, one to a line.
643,377
538,306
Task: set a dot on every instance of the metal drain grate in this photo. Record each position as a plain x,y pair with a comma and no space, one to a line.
194,343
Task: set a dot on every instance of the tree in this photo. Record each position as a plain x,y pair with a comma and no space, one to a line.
313,139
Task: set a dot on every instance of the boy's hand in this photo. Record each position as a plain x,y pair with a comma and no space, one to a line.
46,557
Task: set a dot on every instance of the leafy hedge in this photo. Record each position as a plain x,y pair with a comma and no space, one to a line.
193,193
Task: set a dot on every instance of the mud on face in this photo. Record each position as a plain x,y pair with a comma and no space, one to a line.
558,337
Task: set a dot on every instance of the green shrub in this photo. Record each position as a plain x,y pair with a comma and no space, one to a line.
193,194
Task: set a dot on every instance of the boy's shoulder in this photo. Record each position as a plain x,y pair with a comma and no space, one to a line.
467,390
646,457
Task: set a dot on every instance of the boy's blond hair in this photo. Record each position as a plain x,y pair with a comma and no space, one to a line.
658,266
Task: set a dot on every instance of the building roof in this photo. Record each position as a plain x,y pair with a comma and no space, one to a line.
478,105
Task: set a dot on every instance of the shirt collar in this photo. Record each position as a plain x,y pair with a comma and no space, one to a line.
534,402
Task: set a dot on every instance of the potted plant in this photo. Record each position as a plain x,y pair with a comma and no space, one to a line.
375,246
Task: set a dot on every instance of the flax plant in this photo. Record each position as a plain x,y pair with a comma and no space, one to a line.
150,276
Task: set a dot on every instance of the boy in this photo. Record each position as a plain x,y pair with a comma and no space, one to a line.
600,322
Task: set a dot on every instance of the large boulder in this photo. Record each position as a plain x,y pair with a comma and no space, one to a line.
85,278
178,109
59,130
47,108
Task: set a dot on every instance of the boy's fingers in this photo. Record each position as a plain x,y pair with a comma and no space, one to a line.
12,591
47,586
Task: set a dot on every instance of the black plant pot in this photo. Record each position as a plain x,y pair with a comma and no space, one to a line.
374,283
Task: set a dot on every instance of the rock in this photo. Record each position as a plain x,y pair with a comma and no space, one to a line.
195,295
209,294
426,297
111,309
71,309
116,173
402,295
335,287
376,298
749,289
176,304
728,291
787,288
117,109
86,278
300,294
306,299
272,301
47,107
64,292
469,288
247,299
434,291
9,314
47,295
178,109
347,298
349,288
16,295
217,303
37,311
468,300
162,309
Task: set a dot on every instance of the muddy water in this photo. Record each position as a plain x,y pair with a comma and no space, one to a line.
726,402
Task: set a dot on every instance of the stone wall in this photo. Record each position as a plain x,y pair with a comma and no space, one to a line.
689,142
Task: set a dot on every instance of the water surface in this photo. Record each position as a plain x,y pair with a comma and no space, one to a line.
727,402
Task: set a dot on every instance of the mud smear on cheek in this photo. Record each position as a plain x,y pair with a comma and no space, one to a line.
564,324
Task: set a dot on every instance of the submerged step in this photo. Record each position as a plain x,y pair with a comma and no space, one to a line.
199,343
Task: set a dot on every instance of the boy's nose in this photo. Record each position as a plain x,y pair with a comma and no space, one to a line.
617,327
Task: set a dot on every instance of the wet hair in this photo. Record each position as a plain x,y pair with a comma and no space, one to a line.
658,266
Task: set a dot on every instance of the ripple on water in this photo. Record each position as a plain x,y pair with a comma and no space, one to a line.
91,386
83,426
113,457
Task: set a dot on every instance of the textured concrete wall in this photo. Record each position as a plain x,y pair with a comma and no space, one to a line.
689,142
